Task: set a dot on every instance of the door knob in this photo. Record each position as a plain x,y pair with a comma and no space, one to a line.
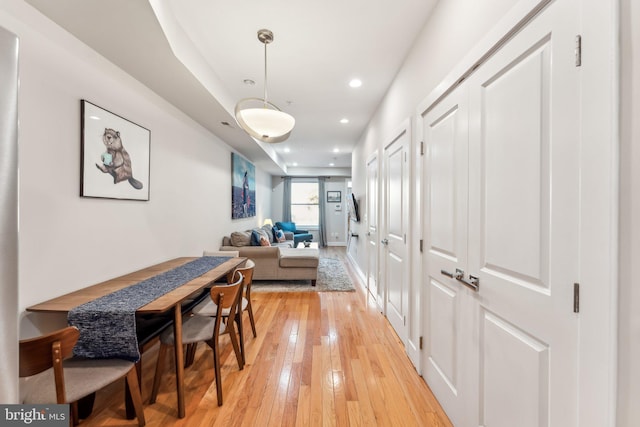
384,241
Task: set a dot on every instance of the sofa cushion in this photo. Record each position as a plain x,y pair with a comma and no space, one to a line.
241,238
299,258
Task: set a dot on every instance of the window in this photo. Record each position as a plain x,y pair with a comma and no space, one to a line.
304,203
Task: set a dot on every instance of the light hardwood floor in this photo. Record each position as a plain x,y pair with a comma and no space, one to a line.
319,359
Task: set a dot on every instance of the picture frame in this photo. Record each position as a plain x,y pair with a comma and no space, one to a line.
115,155
243,187
334,196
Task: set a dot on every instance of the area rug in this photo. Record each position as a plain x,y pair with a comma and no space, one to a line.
332,277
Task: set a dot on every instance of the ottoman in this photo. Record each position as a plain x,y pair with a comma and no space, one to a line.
299,264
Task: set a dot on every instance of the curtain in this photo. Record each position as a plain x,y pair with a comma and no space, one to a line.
286,200
321,207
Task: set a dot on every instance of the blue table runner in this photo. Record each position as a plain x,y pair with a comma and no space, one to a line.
108,324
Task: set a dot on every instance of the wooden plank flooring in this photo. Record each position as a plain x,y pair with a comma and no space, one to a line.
320,359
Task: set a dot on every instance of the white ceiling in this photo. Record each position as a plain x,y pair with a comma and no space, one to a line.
196,54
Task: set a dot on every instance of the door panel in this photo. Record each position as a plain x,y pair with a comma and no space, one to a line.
443,356
396,223
515,369
515,155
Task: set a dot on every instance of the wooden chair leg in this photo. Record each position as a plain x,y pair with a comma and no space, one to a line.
234,343
190,354
241,334
74,414
216,367
136,398
253,323
162,353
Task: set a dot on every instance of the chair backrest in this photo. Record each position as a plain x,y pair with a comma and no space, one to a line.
41,353
226,296
247,272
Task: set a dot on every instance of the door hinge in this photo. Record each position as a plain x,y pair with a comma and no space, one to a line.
576,297
422,148
578,50
404,238
421,245
420,343
404,320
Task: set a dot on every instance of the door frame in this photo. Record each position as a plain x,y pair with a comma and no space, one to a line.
599,200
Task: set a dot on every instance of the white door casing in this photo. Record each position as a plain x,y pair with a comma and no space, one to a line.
393,240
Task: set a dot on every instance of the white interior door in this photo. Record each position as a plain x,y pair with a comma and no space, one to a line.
524,224
448,334
372,225
502,334
394,247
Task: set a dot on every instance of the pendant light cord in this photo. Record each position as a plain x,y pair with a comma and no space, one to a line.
265,74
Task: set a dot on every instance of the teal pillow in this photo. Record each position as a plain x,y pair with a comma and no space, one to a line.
255,238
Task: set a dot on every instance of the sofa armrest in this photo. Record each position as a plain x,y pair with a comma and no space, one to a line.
301,232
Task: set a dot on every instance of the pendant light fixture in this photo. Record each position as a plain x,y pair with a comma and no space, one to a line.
260,118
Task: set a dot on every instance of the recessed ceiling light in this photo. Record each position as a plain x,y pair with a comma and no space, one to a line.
294,164
287,150
332,164
336,150
248,82
355,83
344,121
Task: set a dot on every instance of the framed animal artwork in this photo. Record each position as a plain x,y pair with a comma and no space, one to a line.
114,155
243,187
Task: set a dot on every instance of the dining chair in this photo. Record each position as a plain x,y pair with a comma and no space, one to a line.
209,308
53,376
205,329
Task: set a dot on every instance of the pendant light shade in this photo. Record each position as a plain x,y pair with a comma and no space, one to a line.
260,118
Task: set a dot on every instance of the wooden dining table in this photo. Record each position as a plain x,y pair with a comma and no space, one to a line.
170,301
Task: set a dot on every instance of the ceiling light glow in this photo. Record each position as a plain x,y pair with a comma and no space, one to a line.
355,83
344,121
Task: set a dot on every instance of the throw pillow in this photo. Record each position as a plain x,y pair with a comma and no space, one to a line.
268,233
240,238
280,236
255,238
263,233
264,241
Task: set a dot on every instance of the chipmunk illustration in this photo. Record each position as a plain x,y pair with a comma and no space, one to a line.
116,160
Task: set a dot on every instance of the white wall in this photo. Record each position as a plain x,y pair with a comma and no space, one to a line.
629,289
68,242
